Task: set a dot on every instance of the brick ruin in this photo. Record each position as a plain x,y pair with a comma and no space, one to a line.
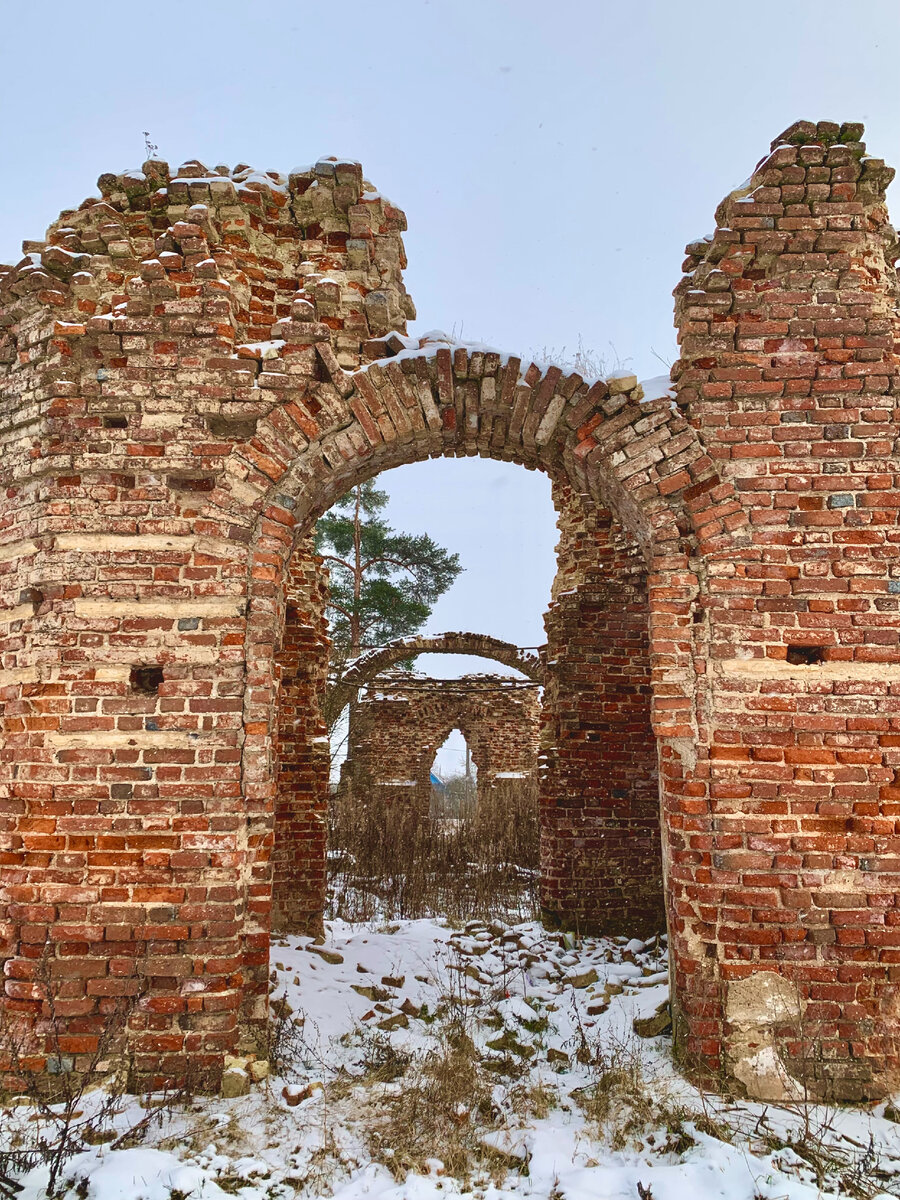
198,364
364,669
402,719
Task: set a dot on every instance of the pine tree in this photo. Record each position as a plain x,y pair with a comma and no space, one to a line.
384,584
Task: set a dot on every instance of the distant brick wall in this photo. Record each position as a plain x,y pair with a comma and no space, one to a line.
188,380
359,672
401,721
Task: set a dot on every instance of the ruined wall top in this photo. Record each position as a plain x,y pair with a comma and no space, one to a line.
811,219
377,661
319,245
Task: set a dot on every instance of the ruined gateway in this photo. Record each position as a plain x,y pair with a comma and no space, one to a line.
403,718
195,366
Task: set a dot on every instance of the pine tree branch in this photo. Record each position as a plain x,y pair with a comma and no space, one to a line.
393,562
339,608
340,561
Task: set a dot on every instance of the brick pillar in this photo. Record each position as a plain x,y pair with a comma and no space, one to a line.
302,751
122,851
600,835
785,862
384,749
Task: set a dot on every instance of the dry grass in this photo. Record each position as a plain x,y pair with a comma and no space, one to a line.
74,1102
620,1103
627,1107
387,863
438,1111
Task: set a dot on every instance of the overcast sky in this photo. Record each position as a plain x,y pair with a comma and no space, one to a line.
552,159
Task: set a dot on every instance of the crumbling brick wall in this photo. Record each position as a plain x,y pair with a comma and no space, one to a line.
601,856
402,719
197,365
784,869
361,671
138,760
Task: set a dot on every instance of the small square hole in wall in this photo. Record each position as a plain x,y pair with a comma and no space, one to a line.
146,680
805,656
115,422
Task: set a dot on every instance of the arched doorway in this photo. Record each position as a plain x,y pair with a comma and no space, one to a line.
600,821
194,400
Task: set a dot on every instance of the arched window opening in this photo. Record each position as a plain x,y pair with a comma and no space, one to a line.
453,779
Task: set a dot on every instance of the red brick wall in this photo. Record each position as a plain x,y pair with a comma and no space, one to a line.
159,464
302,750
601,866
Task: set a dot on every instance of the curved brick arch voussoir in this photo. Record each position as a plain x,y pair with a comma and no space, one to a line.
637,456
365,668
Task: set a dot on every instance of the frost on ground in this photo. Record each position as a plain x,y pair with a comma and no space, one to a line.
413,1062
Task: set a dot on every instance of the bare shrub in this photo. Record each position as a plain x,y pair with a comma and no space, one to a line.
621,1101
55,1104
293,1044
584,360
440,1110
387,861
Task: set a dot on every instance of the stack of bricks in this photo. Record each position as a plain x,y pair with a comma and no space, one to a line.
188,379
402,719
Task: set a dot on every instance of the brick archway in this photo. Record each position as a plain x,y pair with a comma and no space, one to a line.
197,364
602,444
367,666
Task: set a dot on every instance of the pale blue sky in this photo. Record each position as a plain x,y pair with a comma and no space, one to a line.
552,159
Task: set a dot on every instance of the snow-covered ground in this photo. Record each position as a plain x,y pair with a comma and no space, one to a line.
418,1062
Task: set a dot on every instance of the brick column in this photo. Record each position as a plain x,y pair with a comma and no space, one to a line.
785,867
302,750
600,834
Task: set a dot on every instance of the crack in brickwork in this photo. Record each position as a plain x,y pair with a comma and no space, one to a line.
188,379
302,753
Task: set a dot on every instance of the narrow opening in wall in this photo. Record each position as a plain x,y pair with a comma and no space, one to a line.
453,779
146,680
805,655
31,596
115,422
